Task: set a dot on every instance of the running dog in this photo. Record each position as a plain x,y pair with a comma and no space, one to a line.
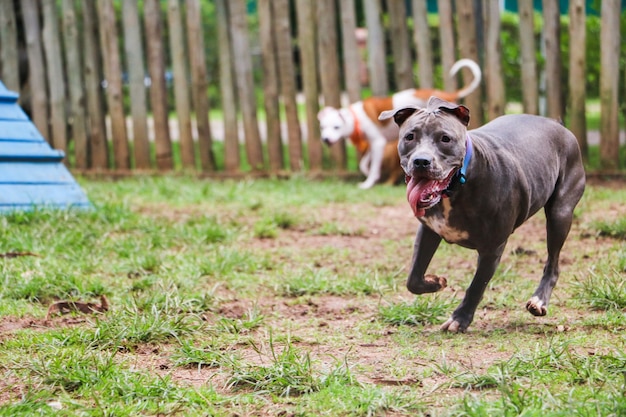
474,188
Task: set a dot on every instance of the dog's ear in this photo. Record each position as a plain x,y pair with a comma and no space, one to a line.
399,115
460,112
322,112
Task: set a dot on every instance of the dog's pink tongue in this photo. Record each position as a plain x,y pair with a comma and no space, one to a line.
415,190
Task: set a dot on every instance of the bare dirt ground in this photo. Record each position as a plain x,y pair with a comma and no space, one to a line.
334,327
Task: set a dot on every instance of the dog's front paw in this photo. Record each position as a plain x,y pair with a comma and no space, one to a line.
366,184
436,282
536,307
428,284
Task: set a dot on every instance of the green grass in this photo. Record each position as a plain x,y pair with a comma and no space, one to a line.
287,297
424,310
615,229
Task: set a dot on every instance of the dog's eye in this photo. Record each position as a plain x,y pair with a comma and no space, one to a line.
337,127
445,138
409,137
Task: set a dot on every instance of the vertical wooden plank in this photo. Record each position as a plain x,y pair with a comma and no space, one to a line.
377,57
552,47
113,78
181,87
136,75
448,48
328,52
609,84
496,99
56,83
468,48
327,43
75,84
421,38
530,94
158,92
199,83
400,47
98,144
270,85
36,67
577,73
227,87
9,61
245,82
306,14
351,58
287,75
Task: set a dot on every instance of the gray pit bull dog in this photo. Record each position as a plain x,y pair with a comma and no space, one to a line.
474,188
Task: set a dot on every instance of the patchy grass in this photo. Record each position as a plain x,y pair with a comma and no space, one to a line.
615,228
287,297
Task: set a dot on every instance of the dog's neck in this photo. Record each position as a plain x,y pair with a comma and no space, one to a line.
357,137
460,177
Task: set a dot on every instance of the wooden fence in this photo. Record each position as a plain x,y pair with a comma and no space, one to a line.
93,74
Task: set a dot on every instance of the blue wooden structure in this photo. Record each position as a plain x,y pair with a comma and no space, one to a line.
32,174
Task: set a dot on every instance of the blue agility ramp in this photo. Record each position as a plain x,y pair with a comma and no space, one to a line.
32,174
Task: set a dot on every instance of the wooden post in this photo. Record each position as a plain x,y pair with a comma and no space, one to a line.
181,87
136,75
577,73
530,96
468,48
9,59
327,43
446,34
36,67
609,84
421,38
113,77
56,83
351,58
76,85
200,84
98,144
496,99
307,36
328,53
227,87
400,47
270,85
377,61
245,82
287,75
158,90
552,46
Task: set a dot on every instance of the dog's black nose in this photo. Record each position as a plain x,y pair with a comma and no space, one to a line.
421,163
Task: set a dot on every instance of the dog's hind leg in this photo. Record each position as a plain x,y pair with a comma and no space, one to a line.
558,223
559,212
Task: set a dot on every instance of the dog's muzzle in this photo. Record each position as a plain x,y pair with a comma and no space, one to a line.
423,192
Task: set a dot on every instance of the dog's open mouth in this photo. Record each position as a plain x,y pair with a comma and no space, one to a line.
424,193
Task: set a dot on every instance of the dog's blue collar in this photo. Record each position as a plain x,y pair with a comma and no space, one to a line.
469,150
460,177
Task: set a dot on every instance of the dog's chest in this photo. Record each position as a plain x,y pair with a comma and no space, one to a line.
439,224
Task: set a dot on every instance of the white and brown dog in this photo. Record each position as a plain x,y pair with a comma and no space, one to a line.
359,121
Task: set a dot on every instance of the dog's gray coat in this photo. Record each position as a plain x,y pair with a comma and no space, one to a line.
520,163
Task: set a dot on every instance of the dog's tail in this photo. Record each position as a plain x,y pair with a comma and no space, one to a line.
476,73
